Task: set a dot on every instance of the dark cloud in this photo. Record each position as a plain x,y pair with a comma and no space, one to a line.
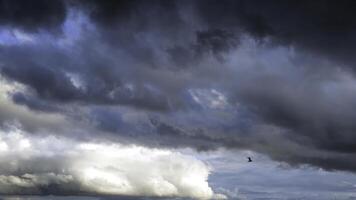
169,135
107,12
34,15
215,41
267,76
100,83
322,26
33,102
48,83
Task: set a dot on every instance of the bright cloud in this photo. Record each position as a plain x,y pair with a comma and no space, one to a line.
34,165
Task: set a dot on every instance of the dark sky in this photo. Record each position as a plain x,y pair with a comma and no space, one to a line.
275,78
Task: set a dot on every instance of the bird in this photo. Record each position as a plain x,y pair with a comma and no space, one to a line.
249,159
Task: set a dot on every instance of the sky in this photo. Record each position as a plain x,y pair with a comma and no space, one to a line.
157,99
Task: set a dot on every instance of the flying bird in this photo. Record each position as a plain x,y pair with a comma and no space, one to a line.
249,159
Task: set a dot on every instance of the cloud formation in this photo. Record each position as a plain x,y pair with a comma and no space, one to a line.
32,16
56,165
274,77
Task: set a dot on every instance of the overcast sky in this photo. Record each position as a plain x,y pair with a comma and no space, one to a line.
166,99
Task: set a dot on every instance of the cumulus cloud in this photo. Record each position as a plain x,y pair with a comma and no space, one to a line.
56,165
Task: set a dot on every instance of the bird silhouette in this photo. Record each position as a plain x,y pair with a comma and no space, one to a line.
249,159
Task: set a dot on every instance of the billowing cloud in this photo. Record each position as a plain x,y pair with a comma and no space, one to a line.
57,165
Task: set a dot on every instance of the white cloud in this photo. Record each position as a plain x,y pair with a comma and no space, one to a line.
30,164
209,98
11,112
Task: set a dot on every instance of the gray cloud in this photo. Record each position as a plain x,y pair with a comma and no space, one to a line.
237,74
324,27
32,16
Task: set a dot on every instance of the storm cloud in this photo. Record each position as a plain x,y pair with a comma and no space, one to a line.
274,77
32,16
